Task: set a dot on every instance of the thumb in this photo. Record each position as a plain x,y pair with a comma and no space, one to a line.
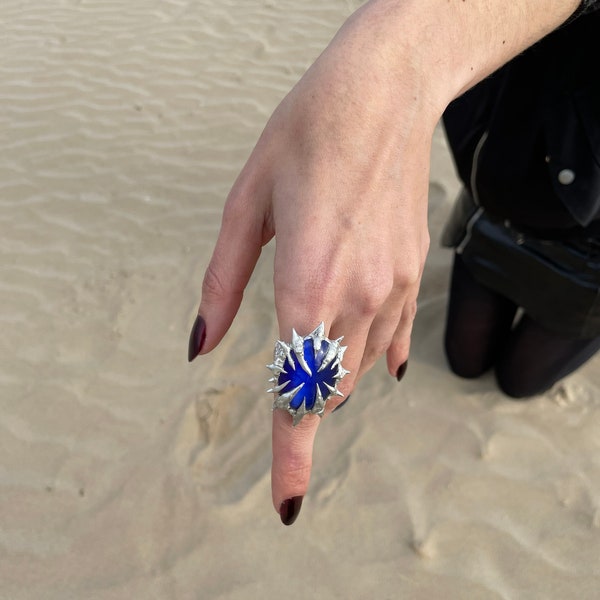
236,252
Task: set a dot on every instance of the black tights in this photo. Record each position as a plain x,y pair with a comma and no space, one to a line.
528,359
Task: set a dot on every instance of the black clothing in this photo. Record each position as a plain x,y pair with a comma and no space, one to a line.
527,146
587,6
557,282
526,143
528,359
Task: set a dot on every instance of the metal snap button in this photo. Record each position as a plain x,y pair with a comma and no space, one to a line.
566,176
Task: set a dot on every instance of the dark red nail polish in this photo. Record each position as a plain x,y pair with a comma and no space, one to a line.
197,337
290,509
340,405
401,370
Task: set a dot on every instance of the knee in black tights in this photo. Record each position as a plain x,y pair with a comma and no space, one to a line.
477,324
528,359
535,359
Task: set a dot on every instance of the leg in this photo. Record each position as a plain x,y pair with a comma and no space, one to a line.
477,325
536,358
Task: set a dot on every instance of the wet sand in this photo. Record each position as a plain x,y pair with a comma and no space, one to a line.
127,473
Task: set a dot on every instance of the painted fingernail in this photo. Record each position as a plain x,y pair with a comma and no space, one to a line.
290,509
197,337
401,370
342,404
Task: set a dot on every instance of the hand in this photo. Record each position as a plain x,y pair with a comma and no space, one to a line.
340,177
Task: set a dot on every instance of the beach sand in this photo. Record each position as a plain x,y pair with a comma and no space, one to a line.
127,473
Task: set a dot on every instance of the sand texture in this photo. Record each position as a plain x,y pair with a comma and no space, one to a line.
126,473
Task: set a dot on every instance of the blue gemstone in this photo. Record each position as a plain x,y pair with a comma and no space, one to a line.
297,376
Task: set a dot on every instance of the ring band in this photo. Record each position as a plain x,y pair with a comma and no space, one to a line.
306,373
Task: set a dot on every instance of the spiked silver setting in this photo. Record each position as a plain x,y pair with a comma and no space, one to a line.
306,373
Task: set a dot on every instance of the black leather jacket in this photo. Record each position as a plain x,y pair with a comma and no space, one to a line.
526,141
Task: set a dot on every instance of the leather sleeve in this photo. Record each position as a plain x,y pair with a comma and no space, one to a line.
587,6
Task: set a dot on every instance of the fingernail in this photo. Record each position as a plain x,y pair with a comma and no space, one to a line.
290,509
401,370
197,337
340,405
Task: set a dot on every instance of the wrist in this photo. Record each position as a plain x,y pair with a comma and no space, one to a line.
444,47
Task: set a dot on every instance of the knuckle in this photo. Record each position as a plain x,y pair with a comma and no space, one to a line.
373,293
368,291
409,311
425,243
297,474
213,285
400,345
408,274
373,352
233,213
409,270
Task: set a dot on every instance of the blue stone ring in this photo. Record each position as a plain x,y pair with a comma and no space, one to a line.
306,373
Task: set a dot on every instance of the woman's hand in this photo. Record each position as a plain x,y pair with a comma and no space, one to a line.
340,178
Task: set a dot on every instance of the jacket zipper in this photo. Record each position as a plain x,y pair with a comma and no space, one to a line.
474,194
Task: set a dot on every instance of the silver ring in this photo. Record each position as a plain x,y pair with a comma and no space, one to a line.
306,373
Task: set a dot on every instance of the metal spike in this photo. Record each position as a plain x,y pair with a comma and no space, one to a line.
317,343
298,347
280,350
319,330
332,352
288,355
278,388
318,336
284,400
276,369
319,406
341,373
283,351
297,416
296,340
332,390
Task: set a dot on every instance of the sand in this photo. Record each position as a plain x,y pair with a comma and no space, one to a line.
127,473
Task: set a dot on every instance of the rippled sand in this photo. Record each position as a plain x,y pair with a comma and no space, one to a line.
127,473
